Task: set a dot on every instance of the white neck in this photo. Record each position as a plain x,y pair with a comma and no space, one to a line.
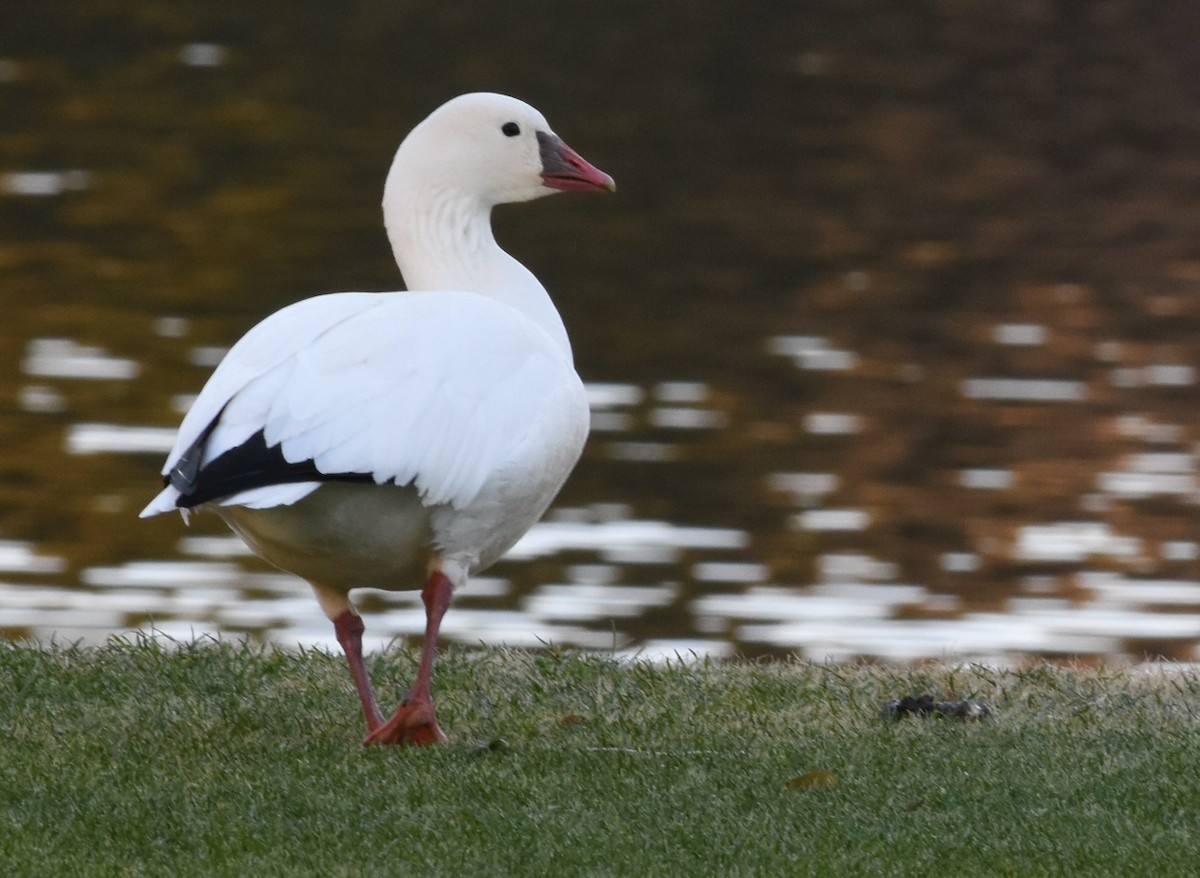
442,240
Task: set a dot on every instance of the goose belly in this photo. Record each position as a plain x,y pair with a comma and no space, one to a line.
343,536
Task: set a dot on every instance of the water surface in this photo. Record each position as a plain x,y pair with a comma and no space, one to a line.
890,331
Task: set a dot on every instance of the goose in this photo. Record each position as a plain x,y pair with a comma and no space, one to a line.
408,439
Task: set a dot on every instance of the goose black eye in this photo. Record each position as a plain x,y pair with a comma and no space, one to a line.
510,129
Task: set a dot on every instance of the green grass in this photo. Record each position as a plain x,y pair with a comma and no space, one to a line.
214,759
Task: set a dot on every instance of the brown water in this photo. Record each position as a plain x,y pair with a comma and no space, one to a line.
891,329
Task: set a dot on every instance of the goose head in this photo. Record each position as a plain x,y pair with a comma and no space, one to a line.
490,149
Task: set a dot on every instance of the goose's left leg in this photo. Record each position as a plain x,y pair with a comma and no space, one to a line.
415,721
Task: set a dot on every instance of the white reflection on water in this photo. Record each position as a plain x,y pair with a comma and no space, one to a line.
1169,375
831,520
988,479
1072,541
202,55
42,399
840,566
782,604
687,418
1179,550
164,574
64,358
44,184
681,391
832,424
102,438
582,602
812,353
17,556
611,422
805,488
624,540
213,547
610,403
730,571
603,396
1116,590
207,356
1025,389
1152,473
171,327
985,637
960,562
1020,334
1145,429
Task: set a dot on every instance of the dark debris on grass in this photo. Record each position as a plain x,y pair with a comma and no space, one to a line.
925,706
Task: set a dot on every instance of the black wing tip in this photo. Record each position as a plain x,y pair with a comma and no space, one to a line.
253,464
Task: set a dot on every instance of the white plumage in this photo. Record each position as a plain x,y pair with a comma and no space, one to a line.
399,439
436,389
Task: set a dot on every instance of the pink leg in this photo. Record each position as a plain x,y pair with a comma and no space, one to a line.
415,722
349,629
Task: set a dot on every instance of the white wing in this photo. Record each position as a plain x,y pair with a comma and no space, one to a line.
437,389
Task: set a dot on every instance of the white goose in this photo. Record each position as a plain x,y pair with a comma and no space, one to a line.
393,439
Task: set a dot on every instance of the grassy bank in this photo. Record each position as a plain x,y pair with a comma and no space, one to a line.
212,759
